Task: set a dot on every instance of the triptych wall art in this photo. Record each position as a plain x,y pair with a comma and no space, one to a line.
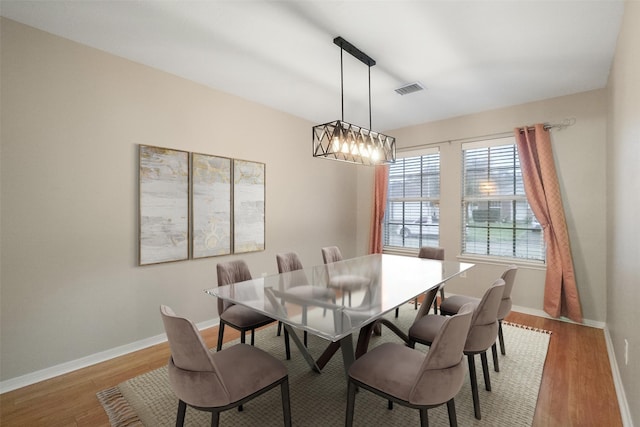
197,205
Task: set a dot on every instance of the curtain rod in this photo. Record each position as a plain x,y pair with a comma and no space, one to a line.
547,126
563,124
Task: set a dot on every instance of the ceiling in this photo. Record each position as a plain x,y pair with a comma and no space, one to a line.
470,56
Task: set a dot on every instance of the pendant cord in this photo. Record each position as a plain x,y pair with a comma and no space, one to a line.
370,98
341,85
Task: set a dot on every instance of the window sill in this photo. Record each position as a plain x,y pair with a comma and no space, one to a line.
475,259
533,265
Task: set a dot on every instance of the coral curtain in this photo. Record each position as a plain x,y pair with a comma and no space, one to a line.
543,193
379,204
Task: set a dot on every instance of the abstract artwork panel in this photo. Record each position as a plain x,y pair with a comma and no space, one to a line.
248,206
164,205
211,205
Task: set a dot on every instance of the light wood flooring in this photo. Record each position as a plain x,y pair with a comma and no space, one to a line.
577,386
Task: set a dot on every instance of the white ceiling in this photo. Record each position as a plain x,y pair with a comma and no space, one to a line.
471,55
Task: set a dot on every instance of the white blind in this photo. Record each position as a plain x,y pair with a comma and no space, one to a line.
413,199
497,219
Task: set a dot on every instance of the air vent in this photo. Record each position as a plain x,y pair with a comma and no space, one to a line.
410,88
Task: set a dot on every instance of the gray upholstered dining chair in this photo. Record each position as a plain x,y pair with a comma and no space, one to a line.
429,252
216,382
482,335
236,316
346,283
452,304
406,376
433,252
290,261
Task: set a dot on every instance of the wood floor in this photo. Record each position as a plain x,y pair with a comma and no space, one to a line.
577,386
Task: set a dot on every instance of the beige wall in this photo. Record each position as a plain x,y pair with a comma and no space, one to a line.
580,152
623,201
72,117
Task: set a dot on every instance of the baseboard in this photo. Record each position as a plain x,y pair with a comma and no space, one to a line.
625,413
542,313
65,368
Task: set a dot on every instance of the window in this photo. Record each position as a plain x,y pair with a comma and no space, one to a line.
497,219
413,201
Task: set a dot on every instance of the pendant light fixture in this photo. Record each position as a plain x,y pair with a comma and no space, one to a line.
339,140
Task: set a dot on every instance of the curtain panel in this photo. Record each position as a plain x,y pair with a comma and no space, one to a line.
543,193
380,185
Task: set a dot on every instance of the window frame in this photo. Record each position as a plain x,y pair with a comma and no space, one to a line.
423,238
501,199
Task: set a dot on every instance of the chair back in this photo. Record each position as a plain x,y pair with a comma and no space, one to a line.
228,273
192,371
288,262
484,324
331,254
443,371
509,277
431,252
188,350
427,301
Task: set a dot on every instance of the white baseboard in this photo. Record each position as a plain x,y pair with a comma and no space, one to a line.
625,413
542,313
64,368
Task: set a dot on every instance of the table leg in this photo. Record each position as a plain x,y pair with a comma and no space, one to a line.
303,350
346,345
327,354
364,338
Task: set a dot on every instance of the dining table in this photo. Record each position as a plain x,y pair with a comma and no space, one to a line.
384,282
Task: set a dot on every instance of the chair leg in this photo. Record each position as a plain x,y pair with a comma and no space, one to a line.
351,402
501,338
389,405
220,335
349,298
397,312
243,338
474,386
451,409
485,371
435,302
415,304
494,352
287,345
240,408
286,402
304,322
215,418
182,410
279,329
424,417
411,344
253,337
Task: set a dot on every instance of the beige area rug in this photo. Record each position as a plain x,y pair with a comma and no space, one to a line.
320,399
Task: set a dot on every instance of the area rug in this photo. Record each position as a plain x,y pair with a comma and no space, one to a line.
320,399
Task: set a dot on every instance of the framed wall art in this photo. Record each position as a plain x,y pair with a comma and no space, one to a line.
211,205
164,205
248,206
